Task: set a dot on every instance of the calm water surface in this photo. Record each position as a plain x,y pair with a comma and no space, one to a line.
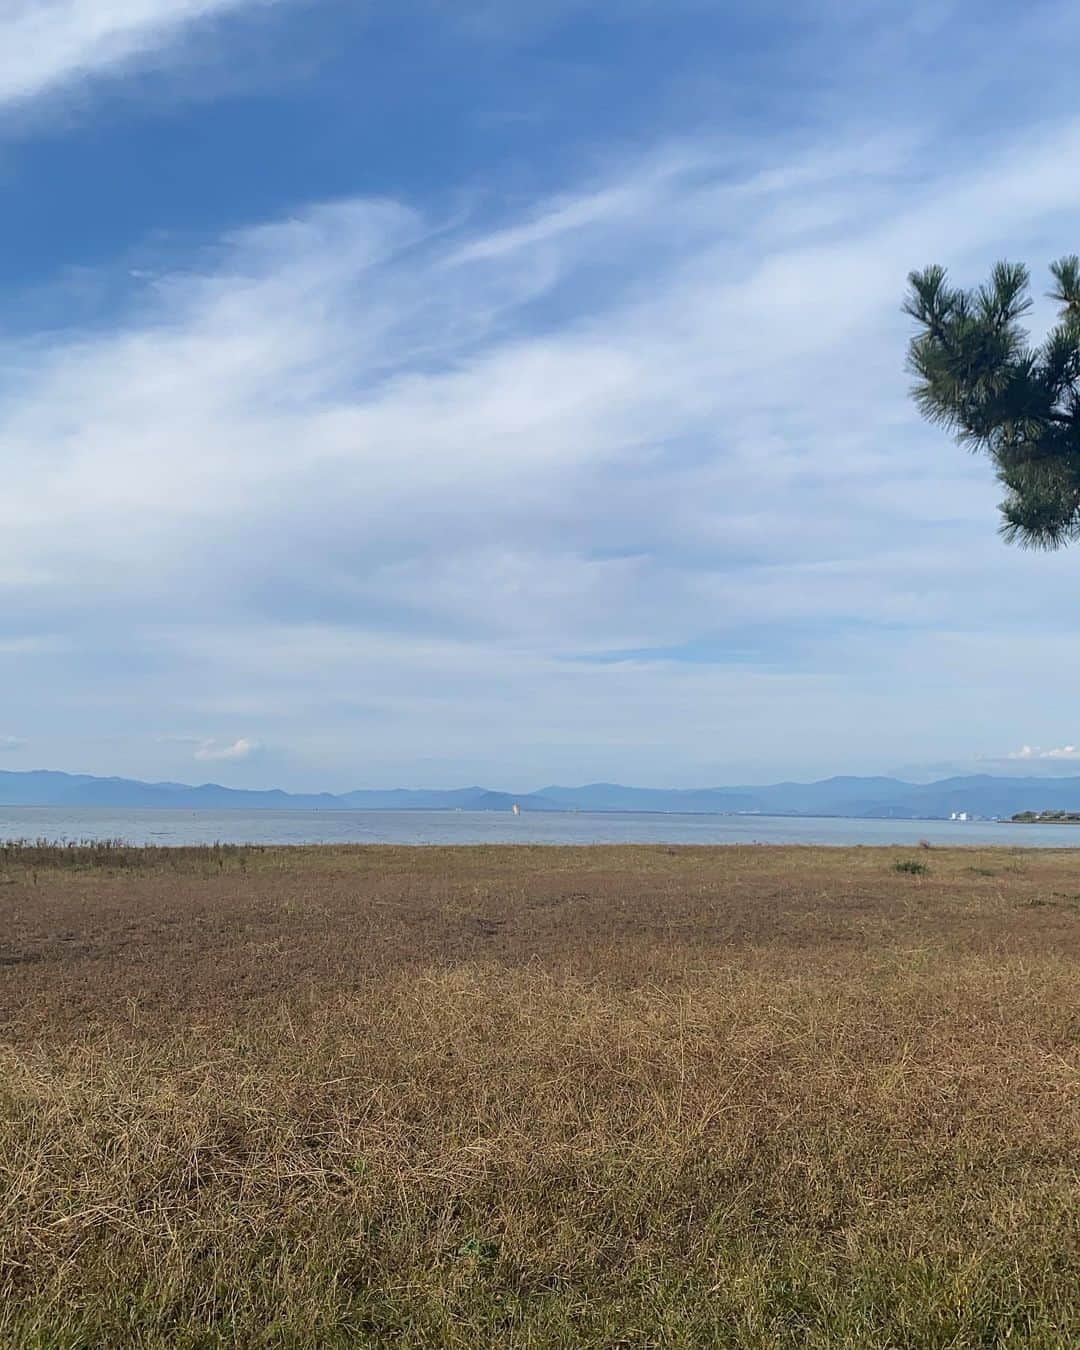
147,826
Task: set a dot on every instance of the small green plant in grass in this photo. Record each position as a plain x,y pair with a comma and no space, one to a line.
479,1249
911,866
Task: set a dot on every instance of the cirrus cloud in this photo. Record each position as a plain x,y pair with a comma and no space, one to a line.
45,44
621,481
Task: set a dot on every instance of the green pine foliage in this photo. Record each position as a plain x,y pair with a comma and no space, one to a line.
978,376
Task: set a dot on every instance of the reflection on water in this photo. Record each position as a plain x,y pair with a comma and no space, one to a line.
147,826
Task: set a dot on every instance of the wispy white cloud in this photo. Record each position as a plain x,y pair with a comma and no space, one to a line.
216,750
45,44
1029,752
9,744
368,483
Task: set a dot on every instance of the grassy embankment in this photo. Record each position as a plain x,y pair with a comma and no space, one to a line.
533,1097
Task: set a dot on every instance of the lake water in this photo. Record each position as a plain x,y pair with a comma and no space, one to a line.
146,826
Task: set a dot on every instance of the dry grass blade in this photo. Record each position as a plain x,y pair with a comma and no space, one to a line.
341,1097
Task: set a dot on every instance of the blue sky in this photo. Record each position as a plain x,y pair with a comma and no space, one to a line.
440,392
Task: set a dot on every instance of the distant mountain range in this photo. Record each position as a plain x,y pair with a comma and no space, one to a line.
878,798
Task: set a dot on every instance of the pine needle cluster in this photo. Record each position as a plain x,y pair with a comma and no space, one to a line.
978,376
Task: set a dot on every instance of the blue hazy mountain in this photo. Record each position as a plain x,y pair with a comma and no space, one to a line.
613,797
451,799
834,796
45,788
879,798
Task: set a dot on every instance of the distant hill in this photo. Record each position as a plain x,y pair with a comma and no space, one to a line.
612,797
878,798
45,788
452,799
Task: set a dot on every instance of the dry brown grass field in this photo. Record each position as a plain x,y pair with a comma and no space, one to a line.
622,1097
